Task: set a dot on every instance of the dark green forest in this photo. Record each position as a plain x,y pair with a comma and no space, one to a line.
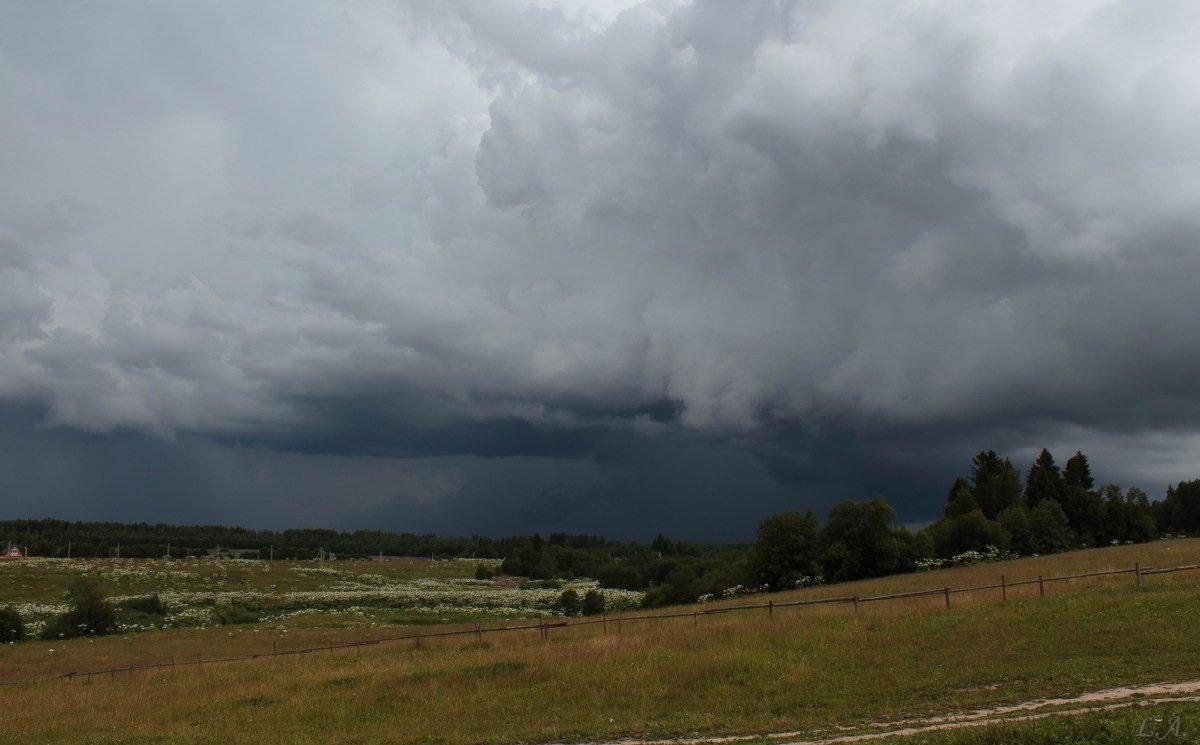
990,512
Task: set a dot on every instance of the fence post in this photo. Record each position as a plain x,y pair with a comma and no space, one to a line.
1137,573
770,607
274,650
418,640
947,591
695,619
1041,587
1003,590
604,621
478,634
856,605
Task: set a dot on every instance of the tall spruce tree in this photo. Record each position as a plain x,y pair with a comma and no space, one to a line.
1084,508
1078,472
1044,481
995,483
960,501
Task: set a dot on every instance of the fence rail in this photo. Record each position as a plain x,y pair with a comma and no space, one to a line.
544,627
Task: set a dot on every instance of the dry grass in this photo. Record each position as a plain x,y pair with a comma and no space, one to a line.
730,673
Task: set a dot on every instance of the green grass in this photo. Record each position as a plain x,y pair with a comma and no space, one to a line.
44,581
799,669
285,595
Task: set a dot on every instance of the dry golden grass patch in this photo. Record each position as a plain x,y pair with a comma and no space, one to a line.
740,672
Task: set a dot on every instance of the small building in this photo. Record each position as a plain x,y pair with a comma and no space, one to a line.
12,552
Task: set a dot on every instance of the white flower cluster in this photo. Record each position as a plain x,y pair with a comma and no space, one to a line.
988,555
195,601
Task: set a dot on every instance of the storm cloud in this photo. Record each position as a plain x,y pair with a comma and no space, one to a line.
615,268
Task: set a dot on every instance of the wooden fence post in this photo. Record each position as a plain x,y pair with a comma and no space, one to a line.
695,619
418,640
1003,590
604,621
478,634
947,591
856,605
1137,573
1041,587
770,607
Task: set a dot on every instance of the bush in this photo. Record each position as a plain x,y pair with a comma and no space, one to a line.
569,603
12,628
593,603
90,613
482,571
145,612
228,615
151,605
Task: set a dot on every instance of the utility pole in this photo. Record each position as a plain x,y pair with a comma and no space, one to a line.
272,552
118,549
68,549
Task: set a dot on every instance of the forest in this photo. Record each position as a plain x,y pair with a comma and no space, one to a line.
990,512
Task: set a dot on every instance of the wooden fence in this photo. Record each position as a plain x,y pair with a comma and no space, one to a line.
543,628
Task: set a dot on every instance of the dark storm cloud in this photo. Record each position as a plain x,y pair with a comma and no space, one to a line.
835,247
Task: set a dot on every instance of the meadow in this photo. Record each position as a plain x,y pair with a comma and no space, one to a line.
805,669
286,594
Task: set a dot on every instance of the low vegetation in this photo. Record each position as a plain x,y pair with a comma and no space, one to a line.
796,669
60,598
990,514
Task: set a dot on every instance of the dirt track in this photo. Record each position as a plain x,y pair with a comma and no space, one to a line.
1106,700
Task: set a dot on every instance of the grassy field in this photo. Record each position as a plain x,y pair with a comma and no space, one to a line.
797,669
286,595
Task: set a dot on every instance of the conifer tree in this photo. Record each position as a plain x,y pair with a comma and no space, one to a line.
1044,481
960,501
1078,472
995,483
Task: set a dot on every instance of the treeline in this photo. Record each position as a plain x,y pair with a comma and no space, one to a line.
991,512
55,538
1051,510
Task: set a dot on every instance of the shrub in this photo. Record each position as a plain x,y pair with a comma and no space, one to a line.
90,613
150,605
12,628
593,603
228,615
568,603
144,612
482,571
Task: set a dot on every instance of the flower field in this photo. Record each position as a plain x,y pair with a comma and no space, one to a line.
207,592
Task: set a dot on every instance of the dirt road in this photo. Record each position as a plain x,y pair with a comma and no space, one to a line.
1106,700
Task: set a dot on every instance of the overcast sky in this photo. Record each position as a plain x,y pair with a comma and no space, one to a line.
606,267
